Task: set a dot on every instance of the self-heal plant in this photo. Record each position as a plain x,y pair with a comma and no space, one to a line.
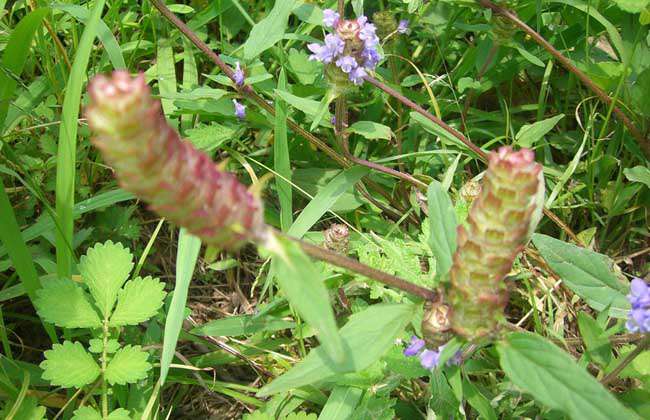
499,225
105,302
350,52
150,159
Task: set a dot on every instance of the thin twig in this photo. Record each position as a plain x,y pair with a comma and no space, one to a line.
417,108
342,261
628,359
643,141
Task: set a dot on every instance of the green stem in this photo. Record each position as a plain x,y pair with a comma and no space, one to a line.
104,356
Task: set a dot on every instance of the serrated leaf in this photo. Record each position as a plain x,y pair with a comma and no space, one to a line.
633,6
64,303
105,268
553,378
86,413
138,301
442,228
587,273
367,336
119,414
69,365
96,345
128,365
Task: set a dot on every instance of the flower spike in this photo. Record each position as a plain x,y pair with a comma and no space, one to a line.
179,182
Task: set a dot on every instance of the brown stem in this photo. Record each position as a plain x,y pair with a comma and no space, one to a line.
643,141
249,92
628,359
342,261
417,108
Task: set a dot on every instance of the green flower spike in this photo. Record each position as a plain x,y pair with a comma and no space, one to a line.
150,159
499,224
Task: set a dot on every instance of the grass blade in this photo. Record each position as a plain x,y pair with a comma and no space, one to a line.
188,253
325,199
18,252
15,55
67,149
281,158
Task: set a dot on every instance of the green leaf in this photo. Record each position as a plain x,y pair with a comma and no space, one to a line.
325,199
442,228
66,156
305,289
598,346
63,303
530,57
186,256
237,325
128,365
119,414
69,365
86,413
96,345
309,106
209,137
341,403
15,55
105,268
269,30
367,336
478,401
633,6
587,273
553,378
371,130
138,301
530,134
28,409
281,158
638,174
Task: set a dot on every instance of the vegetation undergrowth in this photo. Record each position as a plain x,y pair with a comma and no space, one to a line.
325,209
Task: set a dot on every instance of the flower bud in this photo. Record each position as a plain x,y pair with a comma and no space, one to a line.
498,227
337,238
150,160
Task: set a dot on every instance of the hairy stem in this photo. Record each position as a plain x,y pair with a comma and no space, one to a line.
643,141
104,364
628,359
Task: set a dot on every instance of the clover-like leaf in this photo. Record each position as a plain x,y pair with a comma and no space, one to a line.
86,413
64,303
127,366
69,365
119,414
138,301
105,268
97,345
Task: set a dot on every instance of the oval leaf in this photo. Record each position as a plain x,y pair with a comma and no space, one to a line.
587,273
442,228
553,378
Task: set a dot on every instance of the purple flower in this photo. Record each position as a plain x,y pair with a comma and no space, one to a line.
429,359
371,58
639,316
368,35
414,348
357,74
240,110
238,76
403,26
346,63
334,46
456,359
333,120
639,295
330,18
